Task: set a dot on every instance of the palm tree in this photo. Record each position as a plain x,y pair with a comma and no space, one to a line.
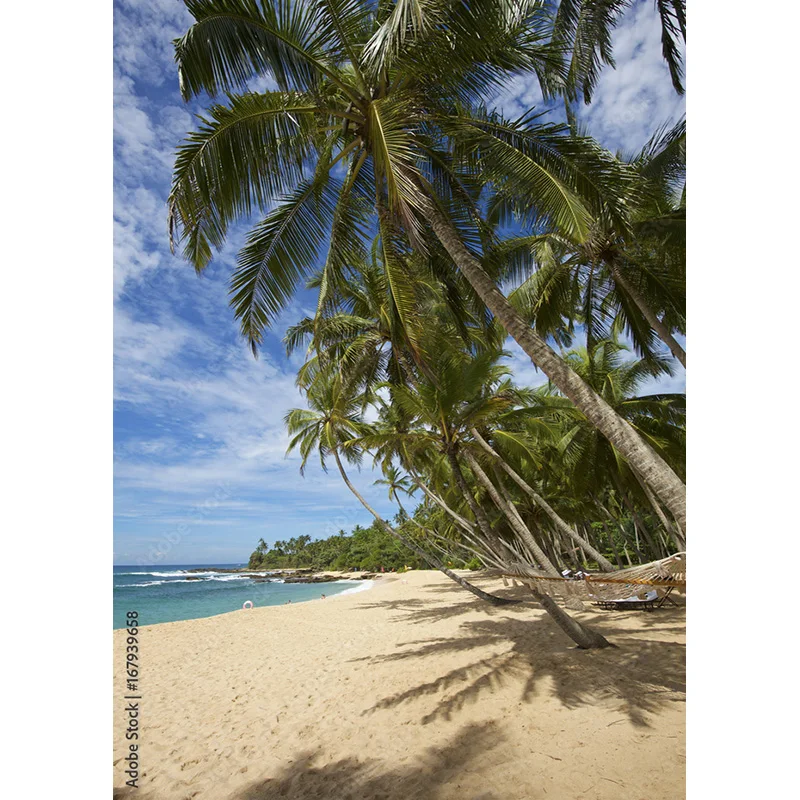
331,426
369,99
593,465
630,272
359,329
398,483
583,28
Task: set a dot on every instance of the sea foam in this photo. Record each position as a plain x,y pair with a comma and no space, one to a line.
360,586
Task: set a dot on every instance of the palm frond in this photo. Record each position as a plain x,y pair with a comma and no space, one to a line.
232,41
279,253
583,28
227,167
672,14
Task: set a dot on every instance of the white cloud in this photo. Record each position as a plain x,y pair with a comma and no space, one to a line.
634,99
145,148
143,35
525,374
138,214
630,101
519,95
234,412
200,422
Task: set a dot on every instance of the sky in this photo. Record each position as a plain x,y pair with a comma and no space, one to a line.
200,465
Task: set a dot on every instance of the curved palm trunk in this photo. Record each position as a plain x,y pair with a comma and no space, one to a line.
481,519
434,562
669,528
665,483
586,638
602,562
655,323
477,553
654,550
468,530
520,528
610,536
463,523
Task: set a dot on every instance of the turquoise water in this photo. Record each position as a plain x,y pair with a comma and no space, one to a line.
163,593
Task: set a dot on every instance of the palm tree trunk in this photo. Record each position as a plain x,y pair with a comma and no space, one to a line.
665,483
586,638
470,531
609,517
638,524
669,528
520,528
680,537
553,541
545,538
627,554
610,537
602,562
655,323
481,519
466,584
434,562
463,523
585,556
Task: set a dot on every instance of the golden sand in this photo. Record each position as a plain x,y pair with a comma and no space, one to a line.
413,689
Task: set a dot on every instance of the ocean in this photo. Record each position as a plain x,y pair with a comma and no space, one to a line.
164,593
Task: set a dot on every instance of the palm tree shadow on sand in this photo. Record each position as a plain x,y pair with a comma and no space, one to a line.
352,778
641,674
421,777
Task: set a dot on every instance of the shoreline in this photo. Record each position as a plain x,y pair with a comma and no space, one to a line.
412,688
360,584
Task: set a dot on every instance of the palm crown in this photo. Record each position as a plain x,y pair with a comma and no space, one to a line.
364,116
376,127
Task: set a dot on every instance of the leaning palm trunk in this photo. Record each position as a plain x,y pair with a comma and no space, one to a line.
666,484
481,520
655,323
468,530
583,636
638,524
464,524
434,562
602,562
434,536
520,528
586,638
610,536
669,528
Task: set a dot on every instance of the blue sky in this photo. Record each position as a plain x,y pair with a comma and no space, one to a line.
200,471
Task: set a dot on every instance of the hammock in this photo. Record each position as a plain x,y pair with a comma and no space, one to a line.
663,576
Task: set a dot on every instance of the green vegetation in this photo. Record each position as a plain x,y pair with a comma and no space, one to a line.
364,549
437,234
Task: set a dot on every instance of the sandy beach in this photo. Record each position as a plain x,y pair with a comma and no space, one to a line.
412,689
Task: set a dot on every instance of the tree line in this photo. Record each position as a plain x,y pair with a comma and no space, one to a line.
368,548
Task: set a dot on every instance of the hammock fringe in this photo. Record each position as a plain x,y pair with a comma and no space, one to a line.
666,573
